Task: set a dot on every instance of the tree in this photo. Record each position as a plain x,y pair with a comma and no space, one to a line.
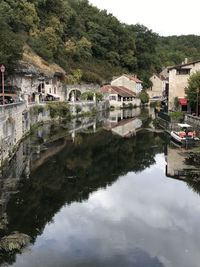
144,97
191,90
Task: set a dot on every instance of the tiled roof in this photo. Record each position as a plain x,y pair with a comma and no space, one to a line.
130,77
120,90
133,78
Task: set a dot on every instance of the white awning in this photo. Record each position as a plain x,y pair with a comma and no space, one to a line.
184,125
54,95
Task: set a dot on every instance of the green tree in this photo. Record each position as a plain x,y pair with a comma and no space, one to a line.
144,97
191,90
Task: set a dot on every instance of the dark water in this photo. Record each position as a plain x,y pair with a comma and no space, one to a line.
94,198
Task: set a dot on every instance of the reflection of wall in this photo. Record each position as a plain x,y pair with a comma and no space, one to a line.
127,127
176,166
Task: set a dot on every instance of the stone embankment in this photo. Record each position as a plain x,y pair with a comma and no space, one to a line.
16,121
194,120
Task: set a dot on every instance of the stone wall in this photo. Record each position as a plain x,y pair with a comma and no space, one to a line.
194,120
17,119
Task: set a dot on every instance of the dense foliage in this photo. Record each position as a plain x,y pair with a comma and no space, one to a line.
78,36
193,89
173,50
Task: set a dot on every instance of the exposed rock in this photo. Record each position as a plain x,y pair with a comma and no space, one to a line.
14,242
34,65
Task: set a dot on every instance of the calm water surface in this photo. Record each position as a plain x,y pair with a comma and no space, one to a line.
94,198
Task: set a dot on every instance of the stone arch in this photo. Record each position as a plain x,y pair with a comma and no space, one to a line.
76,93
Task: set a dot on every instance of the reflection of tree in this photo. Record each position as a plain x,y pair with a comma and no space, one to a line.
72,174
193,175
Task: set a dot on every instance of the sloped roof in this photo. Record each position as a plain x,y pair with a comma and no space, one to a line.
160,76
120,90
133,78
183,65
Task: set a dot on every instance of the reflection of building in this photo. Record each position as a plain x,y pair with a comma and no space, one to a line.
176,166
124,122
127,127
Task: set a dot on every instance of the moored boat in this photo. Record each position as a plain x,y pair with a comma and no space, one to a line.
185,135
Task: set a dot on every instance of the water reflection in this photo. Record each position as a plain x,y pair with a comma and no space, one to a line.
91,198
184,164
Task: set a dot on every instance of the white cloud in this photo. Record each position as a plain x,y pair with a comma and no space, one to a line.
160,216
172,17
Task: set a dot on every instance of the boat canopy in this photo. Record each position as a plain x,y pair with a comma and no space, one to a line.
184,125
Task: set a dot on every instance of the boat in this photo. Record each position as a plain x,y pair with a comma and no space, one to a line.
185,135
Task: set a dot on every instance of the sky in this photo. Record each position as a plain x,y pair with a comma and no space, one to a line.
172,17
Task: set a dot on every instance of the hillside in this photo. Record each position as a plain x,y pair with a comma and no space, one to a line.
82,39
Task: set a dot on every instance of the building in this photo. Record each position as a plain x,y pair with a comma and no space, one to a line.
36,77
159,86
178,81
130,82
120,96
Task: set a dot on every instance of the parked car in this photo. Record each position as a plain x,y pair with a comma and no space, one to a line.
7,100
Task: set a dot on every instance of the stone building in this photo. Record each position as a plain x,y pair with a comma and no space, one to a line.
178,81
36,77
130,82
159,86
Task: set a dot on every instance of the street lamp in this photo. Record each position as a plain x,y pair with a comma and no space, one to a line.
197,106
2,69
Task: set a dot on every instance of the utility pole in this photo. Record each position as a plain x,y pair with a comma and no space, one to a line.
2,69
197,106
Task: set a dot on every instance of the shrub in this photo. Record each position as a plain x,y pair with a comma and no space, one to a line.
176,116
36,110
59,109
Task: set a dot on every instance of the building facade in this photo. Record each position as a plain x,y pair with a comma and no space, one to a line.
159,86
130,82
120,96
178,82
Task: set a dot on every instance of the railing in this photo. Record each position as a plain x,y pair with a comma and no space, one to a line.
11,105
164,116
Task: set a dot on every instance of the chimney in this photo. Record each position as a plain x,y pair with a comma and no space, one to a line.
186,60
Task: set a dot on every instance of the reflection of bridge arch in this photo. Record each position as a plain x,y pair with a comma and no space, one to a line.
74,92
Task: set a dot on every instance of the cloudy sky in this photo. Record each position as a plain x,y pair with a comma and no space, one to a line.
132,222
172,17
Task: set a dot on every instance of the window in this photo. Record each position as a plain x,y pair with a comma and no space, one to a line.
183,71
112,97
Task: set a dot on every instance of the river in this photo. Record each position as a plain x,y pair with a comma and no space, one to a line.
106,191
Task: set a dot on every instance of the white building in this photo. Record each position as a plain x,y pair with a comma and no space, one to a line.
130,82
120,96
